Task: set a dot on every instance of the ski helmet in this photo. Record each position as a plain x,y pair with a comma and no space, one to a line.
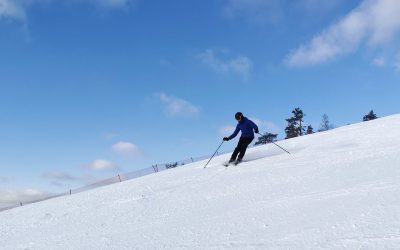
238,116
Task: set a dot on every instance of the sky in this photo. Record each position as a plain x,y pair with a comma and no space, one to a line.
92,88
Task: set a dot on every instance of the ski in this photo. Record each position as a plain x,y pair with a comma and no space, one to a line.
226,164
235,163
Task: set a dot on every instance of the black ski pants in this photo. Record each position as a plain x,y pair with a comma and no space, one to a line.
241,147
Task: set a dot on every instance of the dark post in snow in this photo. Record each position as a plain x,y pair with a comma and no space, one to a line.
155,167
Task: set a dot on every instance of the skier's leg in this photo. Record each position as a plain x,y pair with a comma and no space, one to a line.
244,145
237,150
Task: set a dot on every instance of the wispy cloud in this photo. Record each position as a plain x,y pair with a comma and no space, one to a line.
240,65
127,149
59,175
14,197
374,22
266,126
397,62
254,10
110,135
112,3
177,107
4,179
273,11
379,61
165,63
101,164
319,6
13,9
226,131
17,9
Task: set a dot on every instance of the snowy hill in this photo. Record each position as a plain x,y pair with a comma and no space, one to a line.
337,190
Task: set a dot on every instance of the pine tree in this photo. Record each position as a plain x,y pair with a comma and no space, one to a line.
370,116
266,138
325,125
298,115
291,130
171,165
310,130
295,127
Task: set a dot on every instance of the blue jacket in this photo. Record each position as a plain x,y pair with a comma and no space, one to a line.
247,127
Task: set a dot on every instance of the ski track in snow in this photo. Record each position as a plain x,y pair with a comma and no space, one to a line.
336,190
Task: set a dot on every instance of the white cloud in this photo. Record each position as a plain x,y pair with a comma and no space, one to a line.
102,165
12,9
14,197
177,107
127,149
379,61
374,22
17,9
226,131
240,65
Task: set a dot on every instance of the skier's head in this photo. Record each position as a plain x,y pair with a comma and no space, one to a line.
239,116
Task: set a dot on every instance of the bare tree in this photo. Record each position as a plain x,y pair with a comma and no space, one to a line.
325,124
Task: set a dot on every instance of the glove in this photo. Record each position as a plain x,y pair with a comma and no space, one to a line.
256,131
226,139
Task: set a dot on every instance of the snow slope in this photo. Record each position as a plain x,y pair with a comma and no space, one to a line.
337,190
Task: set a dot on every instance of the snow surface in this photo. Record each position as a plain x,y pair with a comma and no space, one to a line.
337,190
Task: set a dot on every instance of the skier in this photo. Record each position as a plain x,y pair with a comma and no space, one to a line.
246,126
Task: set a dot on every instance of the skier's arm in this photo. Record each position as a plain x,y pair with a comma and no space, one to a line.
234,133
254,127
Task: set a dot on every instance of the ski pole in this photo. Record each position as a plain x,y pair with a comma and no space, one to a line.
277,145
213,154
281,148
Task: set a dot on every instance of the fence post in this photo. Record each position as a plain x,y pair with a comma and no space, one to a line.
70,192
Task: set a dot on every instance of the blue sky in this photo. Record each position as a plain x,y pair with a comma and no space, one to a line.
90,88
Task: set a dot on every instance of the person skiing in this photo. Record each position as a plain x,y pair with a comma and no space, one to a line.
248,129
